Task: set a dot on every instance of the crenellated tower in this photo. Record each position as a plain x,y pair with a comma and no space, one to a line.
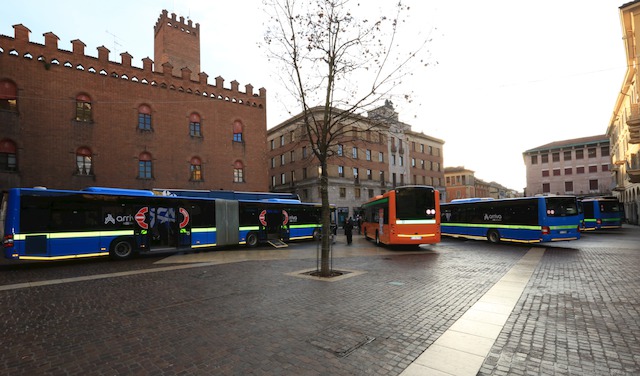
177,43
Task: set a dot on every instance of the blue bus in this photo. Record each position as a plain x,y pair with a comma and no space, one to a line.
601,213
523,220
304,217
49,224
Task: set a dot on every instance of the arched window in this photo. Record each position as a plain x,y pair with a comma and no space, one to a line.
8,160
83,161
144,118
83,108
238,172
8,96
237,131
145,166
195,169
194,125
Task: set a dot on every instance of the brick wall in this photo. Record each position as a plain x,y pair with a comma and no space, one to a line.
47,136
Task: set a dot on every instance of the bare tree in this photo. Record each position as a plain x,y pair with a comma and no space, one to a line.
337,65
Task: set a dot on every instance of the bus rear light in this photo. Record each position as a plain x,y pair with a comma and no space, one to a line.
546,230
599,221
7,242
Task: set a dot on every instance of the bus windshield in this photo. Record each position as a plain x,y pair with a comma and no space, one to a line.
609,207
561,206
415,203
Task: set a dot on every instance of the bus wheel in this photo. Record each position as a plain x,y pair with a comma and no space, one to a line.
493,236
121,249
252,239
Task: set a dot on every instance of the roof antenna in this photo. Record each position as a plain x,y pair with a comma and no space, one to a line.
115,43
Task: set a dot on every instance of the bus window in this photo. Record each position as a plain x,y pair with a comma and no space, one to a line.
561,206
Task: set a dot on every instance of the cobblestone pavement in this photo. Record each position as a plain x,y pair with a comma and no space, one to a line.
213,314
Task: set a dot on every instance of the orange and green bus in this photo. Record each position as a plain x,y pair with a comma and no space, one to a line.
407,215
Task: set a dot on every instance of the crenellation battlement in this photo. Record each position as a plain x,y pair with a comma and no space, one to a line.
71,101
176,23
78,46
53,57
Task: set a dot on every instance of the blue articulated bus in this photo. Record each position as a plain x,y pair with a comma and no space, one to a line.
301,220
601,213
523,220
49,224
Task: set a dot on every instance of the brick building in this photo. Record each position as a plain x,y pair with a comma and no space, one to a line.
70,120
579,166
462,183
368,161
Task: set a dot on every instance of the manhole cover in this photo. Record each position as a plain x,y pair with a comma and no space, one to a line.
340,341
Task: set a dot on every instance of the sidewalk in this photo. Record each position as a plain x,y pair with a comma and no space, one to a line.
573,309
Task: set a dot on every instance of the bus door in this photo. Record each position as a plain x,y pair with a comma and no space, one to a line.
163,228
274,223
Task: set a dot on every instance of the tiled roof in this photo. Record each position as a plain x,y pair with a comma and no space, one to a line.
629,3
572,142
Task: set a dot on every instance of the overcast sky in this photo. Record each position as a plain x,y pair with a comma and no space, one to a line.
510,74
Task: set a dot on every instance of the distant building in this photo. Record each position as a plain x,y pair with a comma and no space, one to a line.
499,191
367,161
461,183
70,120
624,127
579,166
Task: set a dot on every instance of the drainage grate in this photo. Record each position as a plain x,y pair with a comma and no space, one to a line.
340,341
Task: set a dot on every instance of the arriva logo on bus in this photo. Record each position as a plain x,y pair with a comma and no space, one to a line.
124,219
493,217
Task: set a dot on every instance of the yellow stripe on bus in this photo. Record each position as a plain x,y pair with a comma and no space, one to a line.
208,229
64,235
37,258
501,239
203,245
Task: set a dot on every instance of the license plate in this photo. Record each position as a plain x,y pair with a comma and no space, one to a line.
416,237
563,232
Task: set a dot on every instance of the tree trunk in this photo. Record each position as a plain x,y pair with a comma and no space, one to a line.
325,254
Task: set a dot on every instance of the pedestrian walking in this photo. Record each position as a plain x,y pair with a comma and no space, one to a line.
348,230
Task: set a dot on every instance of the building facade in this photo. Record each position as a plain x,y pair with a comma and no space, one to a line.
366,162
460,183
624,127
69,120
579,166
